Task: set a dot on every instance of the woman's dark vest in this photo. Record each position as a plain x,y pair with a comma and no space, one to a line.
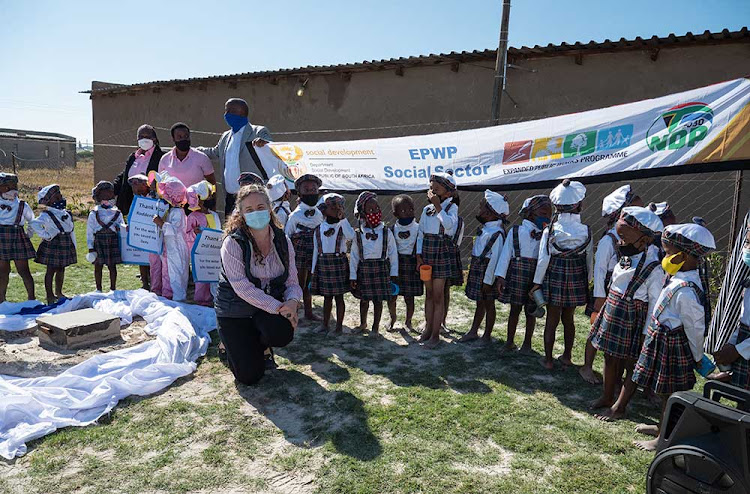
228,303
122,189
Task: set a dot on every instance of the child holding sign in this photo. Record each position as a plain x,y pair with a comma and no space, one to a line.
201,217
103,234
58,247
330,266
175,261
139,185
15,244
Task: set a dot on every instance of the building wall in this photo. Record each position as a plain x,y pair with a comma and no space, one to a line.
427,95
37,153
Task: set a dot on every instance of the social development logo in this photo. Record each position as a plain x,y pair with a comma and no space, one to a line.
291,166
680,126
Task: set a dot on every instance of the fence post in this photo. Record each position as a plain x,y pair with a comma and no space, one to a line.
13,160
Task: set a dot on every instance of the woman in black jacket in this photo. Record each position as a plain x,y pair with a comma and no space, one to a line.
145,158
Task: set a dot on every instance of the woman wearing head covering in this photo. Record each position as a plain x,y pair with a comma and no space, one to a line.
143,160
564,268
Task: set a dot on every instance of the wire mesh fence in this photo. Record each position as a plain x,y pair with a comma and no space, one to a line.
712,196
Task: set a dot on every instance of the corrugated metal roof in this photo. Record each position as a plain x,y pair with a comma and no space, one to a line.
563,49
34,134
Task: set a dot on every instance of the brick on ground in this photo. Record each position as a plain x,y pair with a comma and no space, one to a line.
77,329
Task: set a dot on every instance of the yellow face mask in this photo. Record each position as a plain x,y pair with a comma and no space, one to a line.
670,266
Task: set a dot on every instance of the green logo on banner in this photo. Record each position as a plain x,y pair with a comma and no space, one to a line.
579,144
680,126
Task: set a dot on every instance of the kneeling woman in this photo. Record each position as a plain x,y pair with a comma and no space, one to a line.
258,293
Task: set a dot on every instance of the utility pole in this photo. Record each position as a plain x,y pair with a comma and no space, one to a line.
501,64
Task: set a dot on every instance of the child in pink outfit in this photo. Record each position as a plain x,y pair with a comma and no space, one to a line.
199,196
175,261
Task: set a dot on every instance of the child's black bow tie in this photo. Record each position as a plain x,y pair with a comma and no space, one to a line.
431,211
329,232
5,206
404,235
310,212
536,235
371,236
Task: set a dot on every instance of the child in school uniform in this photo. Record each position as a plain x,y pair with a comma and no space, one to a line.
564,268
330,265
517,263
279,193
674,341
636,283
458,278
737,350
58,248
300,228
175,260
139,185
437,226
405,232
493,212
15,242
373,262
605,258
103,234
201,217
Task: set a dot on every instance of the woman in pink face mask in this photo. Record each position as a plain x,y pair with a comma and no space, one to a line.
143,160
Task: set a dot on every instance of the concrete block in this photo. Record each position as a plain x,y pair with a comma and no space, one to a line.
77,329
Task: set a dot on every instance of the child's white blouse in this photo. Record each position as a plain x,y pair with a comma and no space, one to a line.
604,262
328,242
569,233
685,310
529,247
43,225
373,249
8,216
298,217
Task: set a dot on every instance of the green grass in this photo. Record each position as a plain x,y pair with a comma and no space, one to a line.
79,278
351,414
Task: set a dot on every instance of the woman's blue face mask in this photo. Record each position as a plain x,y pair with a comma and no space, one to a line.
257,220
746,256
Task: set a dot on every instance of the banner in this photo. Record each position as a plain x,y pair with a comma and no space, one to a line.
205,258
143,234
131,255
705,125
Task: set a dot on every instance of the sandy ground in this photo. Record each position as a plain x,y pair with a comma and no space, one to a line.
21,354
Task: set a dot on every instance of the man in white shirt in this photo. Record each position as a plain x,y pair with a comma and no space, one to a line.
235,148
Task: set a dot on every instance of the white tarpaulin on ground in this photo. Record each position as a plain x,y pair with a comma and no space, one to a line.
33,407
705,125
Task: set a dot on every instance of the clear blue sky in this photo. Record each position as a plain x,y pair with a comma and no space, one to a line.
51,50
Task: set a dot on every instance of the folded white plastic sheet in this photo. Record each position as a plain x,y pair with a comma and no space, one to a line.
33,407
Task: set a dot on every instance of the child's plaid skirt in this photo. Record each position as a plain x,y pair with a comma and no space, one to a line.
666,363
302,241
618,327
437,252
15,244
566,283
58,252
475,280
409,283
741,367
107,247
373,280
331,276
518,281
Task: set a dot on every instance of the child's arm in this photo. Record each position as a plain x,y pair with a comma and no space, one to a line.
41,227
692,316
190,224
346,227
26,218
175,223
501,270
489,273
654,284
420,238
91,224
544,257
392,253
604,252
354,260
590,261
293,290
448,218
315,248
291,225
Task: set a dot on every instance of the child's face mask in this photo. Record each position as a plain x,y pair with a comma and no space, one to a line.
670,265
108,203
